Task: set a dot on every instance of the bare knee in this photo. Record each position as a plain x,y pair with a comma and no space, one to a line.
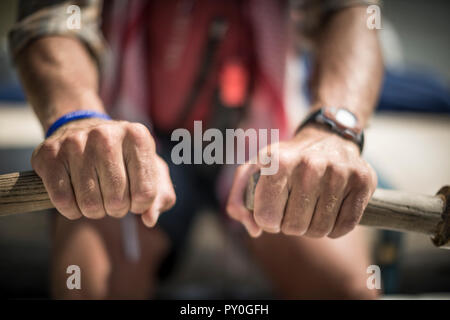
81,265
97,248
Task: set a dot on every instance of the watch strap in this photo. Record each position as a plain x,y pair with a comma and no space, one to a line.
318,117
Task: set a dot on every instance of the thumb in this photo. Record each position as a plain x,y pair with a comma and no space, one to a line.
235,205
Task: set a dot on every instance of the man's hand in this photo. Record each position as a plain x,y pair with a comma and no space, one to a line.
321,188
96,167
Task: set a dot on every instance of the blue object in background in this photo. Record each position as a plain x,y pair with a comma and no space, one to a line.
11,92
414,91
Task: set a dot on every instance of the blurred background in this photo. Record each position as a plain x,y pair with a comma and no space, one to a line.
408,142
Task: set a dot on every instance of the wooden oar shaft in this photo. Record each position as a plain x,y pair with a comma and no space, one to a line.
398,210
387,209
22,192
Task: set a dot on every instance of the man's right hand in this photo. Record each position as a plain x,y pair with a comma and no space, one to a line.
96,167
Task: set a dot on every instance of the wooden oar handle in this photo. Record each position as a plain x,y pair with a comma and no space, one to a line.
398,210
22,192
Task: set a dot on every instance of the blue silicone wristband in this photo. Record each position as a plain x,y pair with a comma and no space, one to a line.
72,116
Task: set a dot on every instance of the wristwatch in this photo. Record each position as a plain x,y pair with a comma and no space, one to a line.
340,121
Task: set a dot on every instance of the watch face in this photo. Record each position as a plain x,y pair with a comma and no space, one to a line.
343,118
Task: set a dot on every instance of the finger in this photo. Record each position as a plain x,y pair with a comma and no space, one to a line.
165,198
59,188
271,195
162,203
56,179
302,200
235,205
329,203
86,186
113,180
150,217
354,204
139,154
166,194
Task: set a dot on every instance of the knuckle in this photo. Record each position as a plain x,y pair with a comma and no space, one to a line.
138,129
145,194
101,136
314,165
98,133
73,144
338,172
139,134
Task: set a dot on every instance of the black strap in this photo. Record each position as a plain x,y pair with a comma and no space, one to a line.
216,34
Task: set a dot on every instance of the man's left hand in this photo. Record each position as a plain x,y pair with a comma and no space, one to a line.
321,188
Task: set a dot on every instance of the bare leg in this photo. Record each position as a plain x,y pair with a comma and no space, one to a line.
96,247
306,268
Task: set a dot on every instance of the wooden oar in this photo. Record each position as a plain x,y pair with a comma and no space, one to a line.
22,192
387,209
400,211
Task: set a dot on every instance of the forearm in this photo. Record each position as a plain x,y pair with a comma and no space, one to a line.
348,64
59,76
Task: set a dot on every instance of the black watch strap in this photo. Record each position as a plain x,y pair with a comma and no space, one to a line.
320,117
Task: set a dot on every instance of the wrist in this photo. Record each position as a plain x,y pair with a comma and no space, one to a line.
315,132
338,121
355,109
75,117
55,107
